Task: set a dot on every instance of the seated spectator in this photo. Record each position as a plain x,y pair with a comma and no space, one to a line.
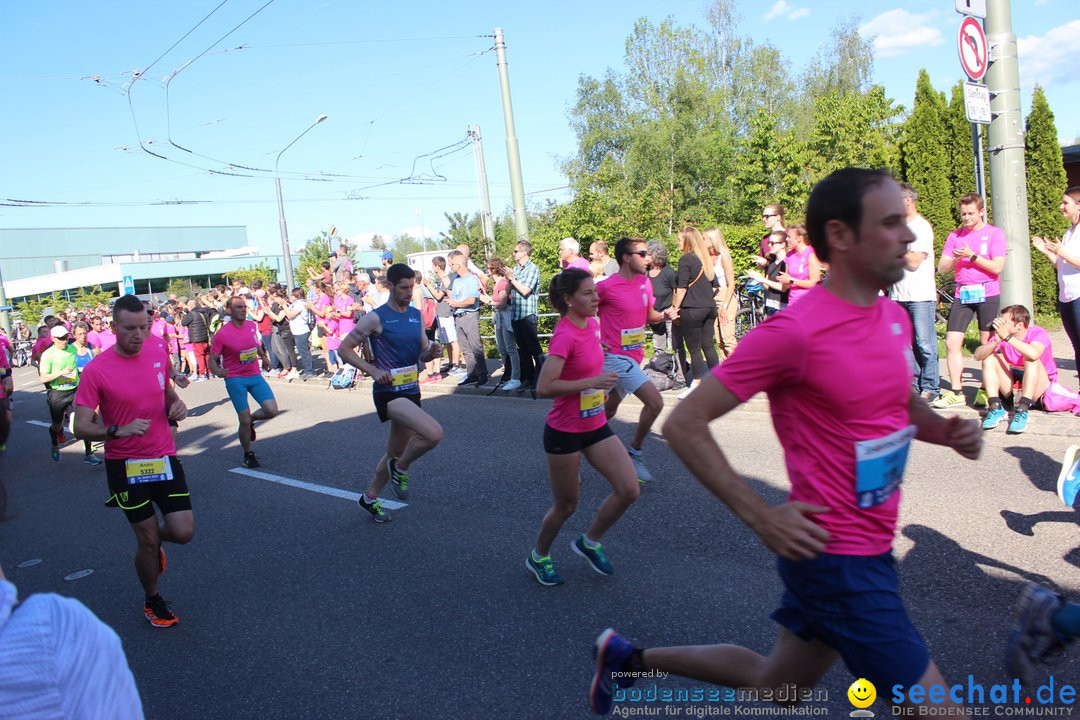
1018,351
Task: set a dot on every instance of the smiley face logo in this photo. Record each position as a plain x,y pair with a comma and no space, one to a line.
862,693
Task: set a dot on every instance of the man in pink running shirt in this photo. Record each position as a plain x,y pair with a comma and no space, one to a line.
129,386
235,353
625,310
845,461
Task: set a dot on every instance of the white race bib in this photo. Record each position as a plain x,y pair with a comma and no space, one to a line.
879,466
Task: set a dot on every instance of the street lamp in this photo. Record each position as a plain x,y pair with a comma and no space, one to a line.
281,207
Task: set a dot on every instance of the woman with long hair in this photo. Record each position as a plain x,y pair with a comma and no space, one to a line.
1065,255
574,375
803,267
695,291
726,302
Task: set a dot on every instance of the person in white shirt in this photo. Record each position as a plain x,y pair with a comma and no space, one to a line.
1066,258
916,292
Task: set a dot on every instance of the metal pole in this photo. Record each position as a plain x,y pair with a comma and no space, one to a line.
517,190
486,226
286,253
1006,138
5,316
980,171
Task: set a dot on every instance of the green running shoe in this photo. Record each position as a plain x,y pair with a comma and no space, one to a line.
544,570
596,557
981,400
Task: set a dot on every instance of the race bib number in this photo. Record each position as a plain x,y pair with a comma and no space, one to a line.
772,303
403,378
972,294
633,338
148,471
879,466
590,403
249,356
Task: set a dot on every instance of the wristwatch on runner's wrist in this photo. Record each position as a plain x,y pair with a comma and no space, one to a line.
111,431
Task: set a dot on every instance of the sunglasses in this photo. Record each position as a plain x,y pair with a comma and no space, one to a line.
639,253
766,217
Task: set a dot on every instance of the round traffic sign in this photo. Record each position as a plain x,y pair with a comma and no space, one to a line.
971,44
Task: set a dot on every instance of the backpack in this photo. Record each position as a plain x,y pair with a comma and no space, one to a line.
344,378
662,381
427,312
1058,398
662,362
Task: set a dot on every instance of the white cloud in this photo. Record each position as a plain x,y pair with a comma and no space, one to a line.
1051,57
781,8
898,31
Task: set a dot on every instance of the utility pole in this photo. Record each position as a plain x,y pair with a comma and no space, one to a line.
5,315
486,226
1006,144
517,190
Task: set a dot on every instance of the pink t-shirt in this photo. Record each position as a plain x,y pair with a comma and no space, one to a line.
105,339
239,348
624,312
836,374
333,333
322,303
344,304
987,242
580,348
127,388
1034,334
798,267
159,327
581,264
184,336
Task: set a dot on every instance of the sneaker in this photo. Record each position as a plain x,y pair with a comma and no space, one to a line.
643,474
158,613
429,379
457,370
596,557
1033,636
468,380
512,385
544,570
293,374
250,461
199,378
981,400
60,437
55,453
398,478
375,508
993,418
928,395
946,399
611,651
92,459
1068,484
690,388
1019,422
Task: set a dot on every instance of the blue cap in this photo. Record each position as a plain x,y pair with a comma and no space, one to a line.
388,255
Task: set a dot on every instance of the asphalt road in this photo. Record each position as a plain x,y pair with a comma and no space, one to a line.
294,604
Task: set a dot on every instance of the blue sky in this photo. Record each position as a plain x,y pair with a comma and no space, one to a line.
397,80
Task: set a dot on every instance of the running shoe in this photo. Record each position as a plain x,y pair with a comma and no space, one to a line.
92,459
1019,422
596,557
200,378
55,453
293,374
993,418
158,613
375,508
1068,484
611,651
947,399
544,570
981,400
637,457
512,385
457,370
399,479
430,379
250,461
1033,636
928,395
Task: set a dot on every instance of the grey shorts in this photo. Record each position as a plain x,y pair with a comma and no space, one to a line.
631,376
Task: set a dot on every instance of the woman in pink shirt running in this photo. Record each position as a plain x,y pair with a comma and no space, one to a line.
574,375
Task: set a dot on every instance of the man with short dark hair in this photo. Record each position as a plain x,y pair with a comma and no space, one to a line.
465,304
130,386
234,356
845,462
1018,352
524,279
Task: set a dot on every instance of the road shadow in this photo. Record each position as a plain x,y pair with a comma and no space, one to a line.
1039,468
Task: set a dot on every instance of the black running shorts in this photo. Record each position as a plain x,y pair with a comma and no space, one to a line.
60,401
557,442
382,399
137,501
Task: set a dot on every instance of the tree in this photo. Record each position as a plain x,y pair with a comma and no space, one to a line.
262,271
32,309
378,242
182,287
961,156
769,169
854,130
1046,181
91,297
312,256
924,158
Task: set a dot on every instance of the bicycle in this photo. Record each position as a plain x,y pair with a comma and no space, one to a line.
22,354
751,311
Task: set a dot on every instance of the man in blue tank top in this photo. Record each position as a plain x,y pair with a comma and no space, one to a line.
395,346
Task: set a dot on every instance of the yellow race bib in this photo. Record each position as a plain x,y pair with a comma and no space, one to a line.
149,470
590,403
633,338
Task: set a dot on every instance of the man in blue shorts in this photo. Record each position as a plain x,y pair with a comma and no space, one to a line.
234,356
394,332
845,461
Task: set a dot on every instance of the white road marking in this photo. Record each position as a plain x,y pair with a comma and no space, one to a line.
313,487
39,423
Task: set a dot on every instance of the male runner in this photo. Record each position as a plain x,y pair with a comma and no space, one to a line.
234,353
59,372
395,333
129,386
845,461
626,307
